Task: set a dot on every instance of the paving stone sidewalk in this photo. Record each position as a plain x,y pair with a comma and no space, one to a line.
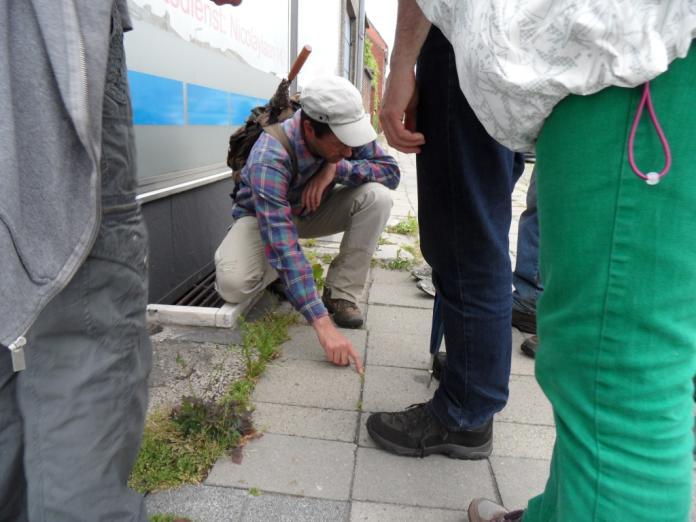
315,460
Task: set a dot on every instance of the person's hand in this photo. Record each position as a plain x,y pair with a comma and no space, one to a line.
337,348
313,192
398,112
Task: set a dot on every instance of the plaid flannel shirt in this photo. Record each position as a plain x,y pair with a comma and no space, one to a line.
272,192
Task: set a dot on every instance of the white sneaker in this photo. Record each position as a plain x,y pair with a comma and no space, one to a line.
484,510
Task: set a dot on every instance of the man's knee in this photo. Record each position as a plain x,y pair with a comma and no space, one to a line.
230,283
377,199
234,283
382,195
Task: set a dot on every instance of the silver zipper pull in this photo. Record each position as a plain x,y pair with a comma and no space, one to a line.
17,352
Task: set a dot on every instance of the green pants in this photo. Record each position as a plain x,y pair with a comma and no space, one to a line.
617,319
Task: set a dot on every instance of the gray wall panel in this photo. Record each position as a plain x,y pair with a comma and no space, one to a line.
163,149
185,229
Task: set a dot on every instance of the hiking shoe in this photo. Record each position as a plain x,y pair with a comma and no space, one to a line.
524,321
415,432
484,510
529,346
422,272
427,286
345,314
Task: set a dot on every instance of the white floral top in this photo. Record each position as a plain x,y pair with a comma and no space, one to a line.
516,59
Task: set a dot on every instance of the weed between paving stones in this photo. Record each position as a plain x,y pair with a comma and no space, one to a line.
180,446
406,227
160,517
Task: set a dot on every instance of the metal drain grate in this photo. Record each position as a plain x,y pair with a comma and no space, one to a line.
203,294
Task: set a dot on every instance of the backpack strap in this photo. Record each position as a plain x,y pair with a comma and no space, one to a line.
276,130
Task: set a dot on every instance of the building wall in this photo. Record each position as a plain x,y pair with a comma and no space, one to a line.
195,71
380,52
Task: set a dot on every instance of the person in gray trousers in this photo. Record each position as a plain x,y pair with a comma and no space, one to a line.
74,350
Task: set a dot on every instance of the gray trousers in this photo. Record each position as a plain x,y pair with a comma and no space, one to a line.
241,267
71,423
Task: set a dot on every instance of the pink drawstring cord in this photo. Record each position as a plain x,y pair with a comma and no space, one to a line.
651,178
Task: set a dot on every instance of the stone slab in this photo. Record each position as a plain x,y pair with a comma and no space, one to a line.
317,423
200,503
523,440
393,389
303,343
374,512
290,465
391,277
183,315
398,239
519,479
389,252
405,350
198,334
436,481
399,321
309,383
400,295
526,404
224,317
282,508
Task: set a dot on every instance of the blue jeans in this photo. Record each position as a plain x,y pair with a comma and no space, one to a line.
71,423
525,278
465,181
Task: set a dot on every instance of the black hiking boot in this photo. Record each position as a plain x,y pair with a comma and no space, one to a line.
415,432
529,346
524,321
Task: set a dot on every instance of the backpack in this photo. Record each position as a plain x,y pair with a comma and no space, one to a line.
265,118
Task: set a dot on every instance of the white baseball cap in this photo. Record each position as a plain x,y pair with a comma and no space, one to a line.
336,101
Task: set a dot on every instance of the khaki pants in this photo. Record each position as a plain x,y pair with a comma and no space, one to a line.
360,212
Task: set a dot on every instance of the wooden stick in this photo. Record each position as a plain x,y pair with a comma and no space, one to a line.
299,62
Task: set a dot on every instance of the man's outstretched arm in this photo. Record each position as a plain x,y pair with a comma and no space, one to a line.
398,113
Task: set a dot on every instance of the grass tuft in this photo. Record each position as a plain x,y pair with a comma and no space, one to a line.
180,446
405,227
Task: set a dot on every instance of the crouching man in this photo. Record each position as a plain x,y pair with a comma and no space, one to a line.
330,176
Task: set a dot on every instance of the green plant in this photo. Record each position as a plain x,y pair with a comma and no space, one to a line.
406,227
168,458
180,446
317,269
318,275
400,263
239,392
370,63
160,517
224,422
254,492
